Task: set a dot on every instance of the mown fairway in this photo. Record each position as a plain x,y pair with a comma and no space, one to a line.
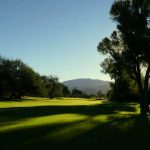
83,124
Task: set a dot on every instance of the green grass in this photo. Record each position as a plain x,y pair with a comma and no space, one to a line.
70,124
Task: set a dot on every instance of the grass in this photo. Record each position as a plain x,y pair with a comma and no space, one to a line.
70,124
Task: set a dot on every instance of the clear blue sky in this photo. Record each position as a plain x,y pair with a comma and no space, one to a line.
56,37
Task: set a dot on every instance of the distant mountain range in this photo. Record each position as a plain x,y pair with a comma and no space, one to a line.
90,86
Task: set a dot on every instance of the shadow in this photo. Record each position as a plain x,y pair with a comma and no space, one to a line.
110,135
140,132
16,113
14,99
30,138
34,137
105,136
123,132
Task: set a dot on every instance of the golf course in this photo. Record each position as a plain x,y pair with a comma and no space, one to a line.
74,75
72,123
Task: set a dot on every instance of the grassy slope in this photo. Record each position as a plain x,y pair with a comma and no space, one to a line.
40,124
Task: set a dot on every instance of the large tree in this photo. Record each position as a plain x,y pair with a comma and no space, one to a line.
18,79
124,87
132,17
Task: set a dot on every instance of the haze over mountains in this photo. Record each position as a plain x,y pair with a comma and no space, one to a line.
90,86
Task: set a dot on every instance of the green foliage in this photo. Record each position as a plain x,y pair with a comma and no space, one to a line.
80,94
52,86
18,79
66,91
100,94
77,93
132,17
128,49
124,87
123,91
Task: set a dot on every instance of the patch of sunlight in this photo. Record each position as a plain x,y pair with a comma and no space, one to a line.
125,113
40,121
70,131
101,118
122,121
31,102
74,130
135,112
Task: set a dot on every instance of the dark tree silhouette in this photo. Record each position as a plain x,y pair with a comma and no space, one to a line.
66,91
124,87
132,21
77,93
17,79
132,17
52,85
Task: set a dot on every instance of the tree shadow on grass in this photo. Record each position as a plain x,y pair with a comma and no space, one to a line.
29,138
105,136
20,113
124,133
119,134
140,132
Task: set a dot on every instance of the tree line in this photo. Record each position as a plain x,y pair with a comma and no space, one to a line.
128,52
17,79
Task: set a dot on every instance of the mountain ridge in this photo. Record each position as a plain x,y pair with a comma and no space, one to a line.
88,85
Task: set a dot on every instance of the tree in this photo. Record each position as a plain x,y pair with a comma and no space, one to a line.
53,87
100,94
17,79
113,48
77,93
66,92
124,87
132,17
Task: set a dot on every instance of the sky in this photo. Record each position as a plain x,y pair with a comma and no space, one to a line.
56,37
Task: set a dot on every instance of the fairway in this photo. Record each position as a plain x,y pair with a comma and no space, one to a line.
69,123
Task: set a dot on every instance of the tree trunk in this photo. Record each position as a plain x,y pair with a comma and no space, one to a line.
144,101
144,94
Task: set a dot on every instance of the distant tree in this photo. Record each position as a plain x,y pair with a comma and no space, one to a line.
77,93
53,87
3,78
17,79
100,94
58,90
47,84
85,95
66,91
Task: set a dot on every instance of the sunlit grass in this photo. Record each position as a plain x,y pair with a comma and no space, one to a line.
39,121
31,102
64,123
46,119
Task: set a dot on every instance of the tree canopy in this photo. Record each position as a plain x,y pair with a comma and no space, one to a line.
18,79
129,47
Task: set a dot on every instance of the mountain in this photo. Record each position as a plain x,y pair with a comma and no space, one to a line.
90,86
